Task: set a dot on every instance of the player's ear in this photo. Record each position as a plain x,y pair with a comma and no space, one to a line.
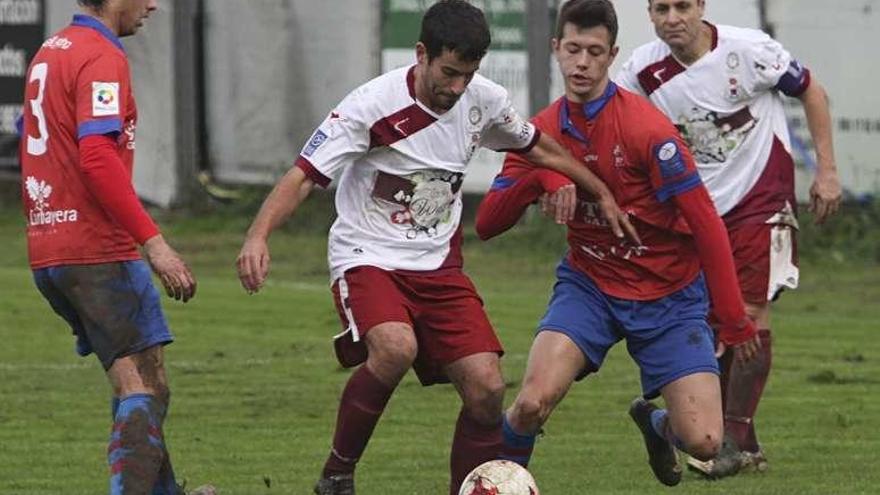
421,53
554,44
614,51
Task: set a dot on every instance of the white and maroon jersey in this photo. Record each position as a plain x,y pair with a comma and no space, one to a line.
78,85
398,199
727,106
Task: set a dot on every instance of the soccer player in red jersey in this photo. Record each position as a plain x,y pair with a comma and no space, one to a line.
400,145
84,224
723,86
652,294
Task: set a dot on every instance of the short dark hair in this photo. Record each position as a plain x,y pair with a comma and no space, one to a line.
457,26
586,14
95,4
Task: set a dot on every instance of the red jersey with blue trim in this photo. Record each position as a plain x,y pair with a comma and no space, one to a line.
642,159
78,85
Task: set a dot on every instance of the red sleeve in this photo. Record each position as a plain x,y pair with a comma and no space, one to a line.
101,88
110,184
713,248
517,186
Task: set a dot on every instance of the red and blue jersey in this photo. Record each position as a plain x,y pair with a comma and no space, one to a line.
632,147
639,155
78,85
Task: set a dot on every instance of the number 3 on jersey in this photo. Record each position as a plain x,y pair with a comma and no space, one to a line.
37,145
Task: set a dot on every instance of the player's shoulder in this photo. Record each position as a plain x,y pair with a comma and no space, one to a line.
649,53
743,38
81,45
382,95
637,105
547,119
485,90
652,122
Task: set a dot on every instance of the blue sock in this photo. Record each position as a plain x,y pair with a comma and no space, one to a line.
515,446
137,450
660,422
166,483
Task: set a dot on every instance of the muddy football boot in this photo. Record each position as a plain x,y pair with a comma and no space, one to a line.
728,462
661,453
340,484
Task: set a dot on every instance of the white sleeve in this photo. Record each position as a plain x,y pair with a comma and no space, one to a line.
768,62
506,130
627,77
340,139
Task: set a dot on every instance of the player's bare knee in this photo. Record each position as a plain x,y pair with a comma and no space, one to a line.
530,412
484,400
705,447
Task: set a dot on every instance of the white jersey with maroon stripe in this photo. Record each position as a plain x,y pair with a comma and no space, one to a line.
398,199
726,104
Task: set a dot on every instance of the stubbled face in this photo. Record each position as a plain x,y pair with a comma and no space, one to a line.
677,22
444,78
129,15
584,56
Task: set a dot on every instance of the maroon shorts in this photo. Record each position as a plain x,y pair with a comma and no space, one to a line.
443,309
766,262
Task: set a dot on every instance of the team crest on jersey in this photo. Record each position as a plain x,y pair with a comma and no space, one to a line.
40,214
105,98
732,60
475,115
315,142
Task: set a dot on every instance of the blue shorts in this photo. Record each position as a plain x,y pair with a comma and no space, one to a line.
112,308
668,338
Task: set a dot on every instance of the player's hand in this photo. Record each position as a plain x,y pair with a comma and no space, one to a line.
825,195
618,220
253,264
176,277
743,352
560,205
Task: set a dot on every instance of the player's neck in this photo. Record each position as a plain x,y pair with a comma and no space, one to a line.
103,17
689,54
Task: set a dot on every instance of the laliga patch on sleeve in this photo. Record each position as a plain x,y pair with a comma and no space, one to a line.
669,159
315,142
105,98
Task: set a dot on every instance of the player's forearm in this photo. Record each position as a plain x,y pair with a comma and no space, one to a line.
818,114
281,203
713,249
505,203
105,177
549,154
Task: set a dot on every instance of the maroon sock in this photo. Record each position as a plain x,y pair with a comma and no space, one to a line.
742,386
360,408
472,445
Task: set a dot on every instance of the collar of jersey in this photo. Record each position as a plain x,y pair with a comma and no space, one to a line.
591,110
90,22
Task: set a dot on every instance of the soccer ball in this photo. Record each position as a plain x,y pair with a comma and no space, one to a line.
499,478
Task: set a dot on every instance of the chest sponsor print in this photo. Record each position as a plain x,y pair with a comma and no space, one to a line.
420,201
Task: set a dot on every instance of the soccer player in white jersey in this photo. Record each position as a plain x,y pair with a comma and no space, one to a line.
400,145
722,87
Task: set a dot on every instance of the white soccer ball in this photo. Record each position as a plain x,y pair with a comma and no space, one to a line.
499,478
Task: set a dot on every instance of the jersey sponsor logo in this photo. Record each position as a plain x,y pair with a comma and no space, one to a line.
427,199
712,137
105,98
40,214
318,138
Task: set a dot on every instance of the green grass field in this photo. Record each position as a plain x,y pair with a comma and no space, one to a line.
255,382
